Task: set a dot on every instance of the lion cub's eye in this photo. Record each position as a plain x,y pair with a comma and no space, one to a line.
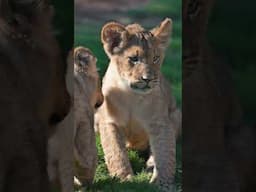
156,59
134,59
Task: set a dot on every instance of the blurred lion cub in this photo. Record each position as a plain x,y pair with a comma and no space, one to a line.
75,137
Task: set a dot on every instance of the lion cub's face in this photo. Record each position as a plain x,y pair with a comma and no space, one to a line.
138,53
85,63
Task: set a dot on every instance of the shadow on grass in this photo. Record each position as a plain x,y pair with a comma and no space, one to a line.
140,182
115,185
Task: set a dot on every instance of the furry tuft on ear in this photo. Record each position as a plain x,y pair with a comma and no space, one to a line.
163,32
114,37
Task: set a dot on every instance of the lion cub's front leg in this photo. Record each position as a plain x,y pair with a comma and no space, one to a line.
163,145
116,156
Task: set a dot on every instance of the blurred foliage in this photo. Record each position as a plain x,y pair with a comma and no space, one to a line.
232,33
64,24
168,8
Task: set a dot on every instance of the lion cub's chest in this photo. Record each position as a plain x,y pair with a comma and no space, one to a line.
136,110
137,124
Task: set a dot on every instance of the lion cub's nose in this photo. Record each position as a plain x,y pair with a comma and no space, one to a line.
147,78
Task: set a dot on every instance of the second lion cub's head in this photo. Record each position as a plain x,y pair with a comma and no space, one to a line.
137,53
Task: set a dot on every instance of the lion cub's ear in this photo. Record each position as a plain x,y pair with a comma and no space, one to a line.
163,33
114,37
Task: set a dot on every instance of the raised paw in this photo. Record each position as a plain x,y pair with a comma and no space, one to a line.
85,61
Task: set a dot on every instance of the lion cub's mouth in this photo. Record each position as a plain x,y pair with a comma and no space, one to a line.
140,87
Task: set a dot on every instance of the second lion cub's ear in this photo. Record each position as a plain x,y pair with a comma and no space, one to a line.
114,37
163,33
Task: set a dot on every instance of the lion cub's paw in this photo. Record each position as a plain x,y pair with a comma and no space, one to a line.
150,164
164,185
85,61
128,177
124,178
85,65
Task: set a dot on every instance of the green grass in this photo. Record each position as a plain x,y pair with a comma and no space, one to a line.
87,34
139,183
105,183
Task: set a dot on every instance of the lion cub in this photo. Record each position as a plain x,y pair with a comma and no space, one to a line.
87,98
139,108
75,134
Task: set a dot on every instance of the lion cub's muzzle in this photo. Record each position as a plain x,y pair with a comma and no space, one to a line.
145,83
143,86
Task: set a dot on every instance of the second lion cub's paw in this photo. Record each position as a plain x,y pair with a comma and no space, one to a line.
164,184
84,60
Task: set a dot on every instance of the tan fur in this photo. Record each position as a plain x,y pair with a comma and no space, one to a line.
136,113
75,134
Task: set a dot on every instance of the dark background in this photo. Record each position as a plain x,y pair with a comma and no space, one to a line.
232,33
219,148
64,24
